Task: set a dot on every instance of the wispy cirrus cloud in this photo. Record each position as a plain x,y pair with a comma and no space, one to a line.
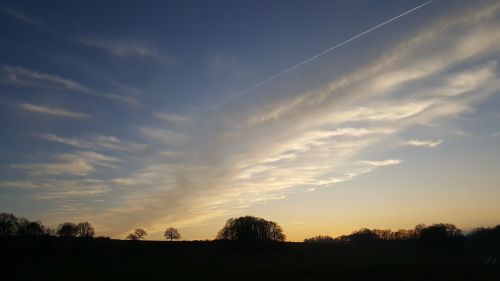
322,137
172,118
79,164
58,112
98,142
27,77
128,48
21,16
423,143
165,136
60,189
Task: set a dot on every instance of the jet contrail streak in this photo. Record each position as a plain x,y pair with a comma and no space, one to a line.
315,57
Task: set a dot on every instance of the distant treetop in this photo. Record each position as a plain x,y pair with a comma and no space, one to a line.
250,228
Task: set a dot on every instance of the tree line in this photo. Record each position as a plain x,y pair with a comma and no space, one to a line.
443,235
249,228
11,225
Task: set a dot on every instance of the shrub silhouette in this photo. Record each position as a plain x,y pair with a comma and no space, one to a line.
172,233
250,228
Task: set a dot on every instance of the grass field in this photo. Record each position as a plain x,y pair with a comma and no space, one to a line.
101,259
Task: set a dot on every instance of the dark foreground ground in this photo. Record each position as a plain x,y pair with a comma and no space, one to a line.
59,259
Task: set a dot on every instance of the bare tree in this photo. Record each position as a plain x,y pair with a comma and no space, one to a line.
85,230
172,233
138,234
132,237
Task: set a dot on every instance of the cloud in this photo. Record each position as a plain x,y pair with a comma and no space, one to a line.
388,162
163,135
60,189
98,142
423,143
316,139
79,164
321,137
27,77
411,60
172,118
128,49
53,111
125,181
22,17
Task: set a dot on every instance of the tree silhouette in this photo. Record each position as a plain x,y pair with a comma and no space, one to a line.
363,235
439,232
27,228
67,229
8,224
486,234
442,236
132,237
251,229
172,233
319,239
85,230
138,234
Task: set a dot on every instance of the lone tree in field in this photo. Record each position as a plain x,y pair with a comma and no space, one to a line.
172,233
251,229
85,230
138,234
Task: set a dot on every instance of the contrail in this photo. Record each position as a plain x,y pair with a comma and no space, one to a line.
314,57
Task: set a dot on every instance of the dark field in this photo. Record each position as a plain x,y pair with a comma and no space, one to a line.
101,259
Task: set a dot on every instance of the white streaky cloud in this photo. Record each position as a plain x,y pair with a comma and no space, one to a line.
99,142
127,48
496,134
423,143
172,118
23,75
22,17
476,39
470,79
170,153
316,56
163,135
113,143
60,189
77,167
125,181
67,141
79,164
53,111
28,77
382,163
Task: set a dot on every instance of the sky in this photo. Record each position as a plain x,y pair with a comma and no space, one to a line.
324,116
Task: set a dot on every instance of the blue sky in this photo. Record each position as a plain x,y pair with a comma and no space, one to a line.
117,113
